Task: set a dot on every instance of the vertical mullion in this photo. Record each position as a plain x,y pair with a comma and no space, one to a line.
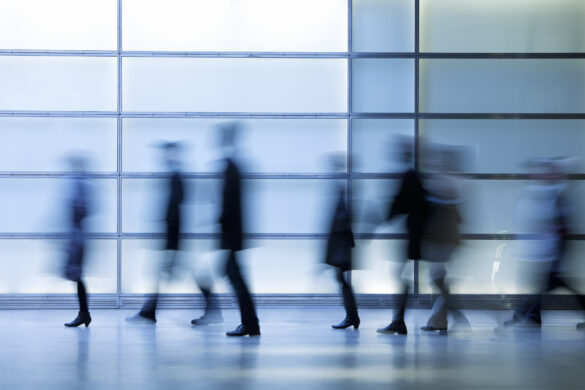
416,123
349,110
119,162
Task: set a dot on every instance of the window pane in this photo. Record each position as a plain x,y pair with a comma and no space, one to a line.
383,25
270,206
58,83
503,85
241,25
267,145
235,84
378,266
502,146
502,26
269,267
493,267
382,85
41,144
38,205
373,142
36,267
58,24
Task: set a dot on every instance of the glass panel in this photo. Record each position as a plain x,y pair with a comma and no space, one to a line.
58,83
240,25
41,144
502,146
235,84
36,267
270,206
493,267
267,145
382,85
269,266
502,26
371,202
378,267
58,24
38,205
503,85
383,25
373,143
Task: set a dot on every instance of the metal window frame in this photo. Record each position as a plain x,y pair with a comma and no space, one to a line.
123,300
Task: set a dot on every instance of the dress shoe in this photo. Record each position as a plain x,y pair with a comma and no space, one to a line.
208,318
581,326
82,318
142,318
395,327
517,322
241,330
347,322
430,328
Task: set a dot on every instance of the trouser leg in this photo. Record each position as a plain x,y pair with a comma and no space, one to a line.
82,297
247,309
348,297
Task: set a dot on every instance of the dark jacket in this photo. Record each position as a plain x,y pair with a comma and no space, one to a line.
173,215
340,241
231,212
78,209
411,201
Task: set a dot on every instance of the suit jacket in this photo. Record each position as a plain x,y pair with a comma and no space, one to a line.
231,212
411,201
176,195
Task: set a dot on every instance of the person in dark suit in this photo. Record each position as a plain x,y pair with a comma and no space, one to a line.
410,201
78,210
173,221
232,234
339,247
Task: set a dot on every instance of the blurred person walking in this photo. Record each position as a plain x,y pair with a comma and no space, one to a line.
78,209
339,247
410,201
232,233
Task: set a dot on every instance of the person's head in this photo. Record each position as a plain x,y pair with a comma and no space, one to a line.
402,148
228,136
78,163
170,153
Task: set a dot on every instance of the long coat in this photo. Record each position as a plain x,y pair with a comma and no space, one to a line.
78,210
231,212
340,241
173,215
410,200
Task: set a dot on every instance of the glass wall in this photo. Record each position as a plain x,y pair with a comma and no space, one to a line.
501,80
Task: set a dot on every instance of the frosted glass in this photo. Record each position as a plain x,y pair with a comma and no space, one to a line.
235,84
36,267
382,85
522,26
240,25
502,85
58,24
383,25
270,206
371,199
374,144
378,267
42,144
502,146
492,267
58,83
31,205
490,205
269,267
266,145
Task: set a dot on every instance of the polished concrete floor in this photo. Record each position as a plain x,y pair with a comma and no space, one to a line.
297,350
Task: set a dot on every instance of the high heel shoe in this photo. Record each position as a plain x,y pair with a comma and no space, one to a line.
82,318
347,322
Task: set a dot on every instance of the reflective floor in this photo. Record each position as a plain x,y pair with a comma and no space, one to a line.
297,349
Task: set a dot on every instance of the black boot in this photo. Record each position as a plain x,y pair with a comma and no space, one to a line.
82,318
395,327
347,322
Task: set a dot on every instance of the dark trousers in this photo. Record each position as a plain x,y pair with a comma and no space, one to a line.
348,297
247,308
82,297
